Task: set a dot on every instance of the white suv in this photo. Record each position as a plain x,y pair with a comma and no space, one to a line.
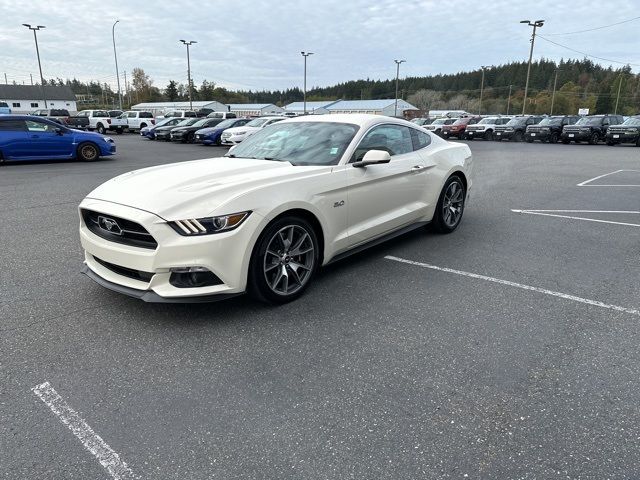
484,128
233,136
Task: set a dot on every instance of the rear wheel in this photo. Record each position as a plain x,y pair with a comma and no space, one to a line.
88,152
284,260
450,206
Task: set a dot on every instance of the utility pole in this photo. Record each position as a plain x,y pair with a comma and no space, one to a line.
127,93
188,43
398,62
6,82
509,99
535,25
304,92
481,90
35,37
553,97
31,74
618,97
115,55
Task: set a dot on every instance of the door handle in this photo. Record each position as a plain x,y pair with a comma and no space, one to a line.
418,168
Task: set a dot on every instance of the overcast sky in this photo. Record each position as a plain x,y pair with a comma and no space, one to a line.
256,44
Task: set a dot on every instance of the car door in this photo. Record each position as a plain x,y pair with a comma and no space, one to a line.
385,197
45,141
13,139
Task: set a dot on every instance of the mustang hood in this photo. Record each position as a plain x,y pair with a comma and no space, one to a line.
193,189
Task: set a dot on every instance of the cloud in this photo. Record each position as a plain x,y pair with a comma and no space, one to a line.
256,44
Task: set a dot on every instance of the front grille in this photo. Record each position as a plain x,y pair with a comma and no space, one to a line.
130,233
126,272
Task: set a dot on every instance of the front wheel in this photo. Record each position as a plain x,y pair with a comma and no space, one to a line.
594,138
450,206
284,260
553,138
87,152
518,137
488,135
566,141
101,130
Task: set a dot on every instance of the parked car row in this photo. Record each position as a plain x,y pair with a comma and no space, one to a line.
593,129
211,130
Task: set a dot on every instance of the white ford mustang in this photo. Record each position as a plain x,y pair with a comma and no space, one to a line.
293,197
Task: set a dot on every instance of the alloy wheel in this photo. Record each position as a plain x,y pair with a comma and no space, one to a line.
289,260
452,204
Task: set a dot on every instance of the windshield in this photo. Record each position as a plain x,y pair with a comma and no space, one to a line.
187,122
439,121
461,121
226,123
166,121
258,122
550,121
589,121
632,122
517,121
488,121
299,143
201,123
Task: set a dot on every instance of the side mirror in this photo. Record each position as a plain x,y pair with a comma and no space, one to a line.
59,130
373,157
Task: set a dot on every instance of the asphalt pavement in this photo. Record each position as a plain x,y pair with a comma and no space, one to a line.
508,349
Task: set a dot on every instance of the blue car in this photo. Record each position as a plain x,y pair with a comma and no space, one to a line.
150,131
211,135
24,137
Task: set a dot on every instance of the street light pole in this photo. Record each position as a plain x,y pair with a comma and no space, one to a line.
509,99
535,25
115,55
190,42
35,37
618,97
481,90
398,62
304,93
553,96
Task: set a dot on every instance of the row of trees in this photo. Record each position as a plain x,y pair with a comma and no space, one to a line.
579,84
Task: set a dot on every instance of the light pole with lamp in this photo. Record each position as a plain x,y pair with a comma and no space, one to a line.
535,25
398,62
188,43
305,55
35,37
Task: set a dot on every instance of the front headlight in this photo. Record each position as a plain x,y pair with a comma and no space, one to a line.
208,225
107,139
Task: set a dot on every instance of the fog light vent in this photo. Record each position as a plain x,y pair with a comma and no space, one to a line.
193,277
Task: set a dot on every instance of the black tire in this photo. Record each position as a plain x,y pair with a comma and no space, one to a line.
88,152
594,138
119,131
554,138
442,219
142,125
100,129
637,145
498,139
529,140
517,137
488,135
266,281
610,143
191,137
566,141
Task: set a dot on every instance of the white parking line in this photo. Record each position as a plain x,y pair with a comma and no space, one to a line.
109,459
586,183
565,296
547,213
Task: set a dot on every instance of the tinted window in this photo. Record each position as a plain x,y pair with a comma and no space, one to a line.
6,125
146,115
420,139
59,113
100,113
3,104
190,114
394,139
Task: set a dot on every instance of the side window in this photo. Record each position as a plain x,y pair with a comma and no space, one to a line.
394,139
420,139
605,121
131,115
12,125
39,127
145,115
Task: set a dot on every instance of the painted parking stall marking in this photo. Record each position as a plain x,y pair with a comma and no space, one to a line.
109,459
589,183
564,214
565,296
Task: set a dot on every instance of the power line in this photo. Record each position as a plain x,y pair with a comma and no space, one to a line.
587,54
596,28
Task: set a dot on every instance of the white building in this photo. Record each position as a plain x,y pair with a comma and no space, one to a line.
159,108
312,107
27,98
254,109
376,107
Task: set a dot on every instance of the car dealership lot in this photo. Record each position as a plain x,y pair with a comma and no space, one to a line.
384,369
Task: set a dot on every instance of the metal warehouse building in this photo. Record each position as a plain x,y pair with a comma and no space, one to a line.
161,107
377,107
312,107
254,109
27,98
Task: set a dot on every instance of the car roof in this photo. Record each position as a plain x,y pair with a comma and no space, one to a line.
360,119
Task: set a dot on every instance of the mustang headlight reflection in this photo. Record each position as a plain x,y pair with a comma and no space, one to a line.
208,225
